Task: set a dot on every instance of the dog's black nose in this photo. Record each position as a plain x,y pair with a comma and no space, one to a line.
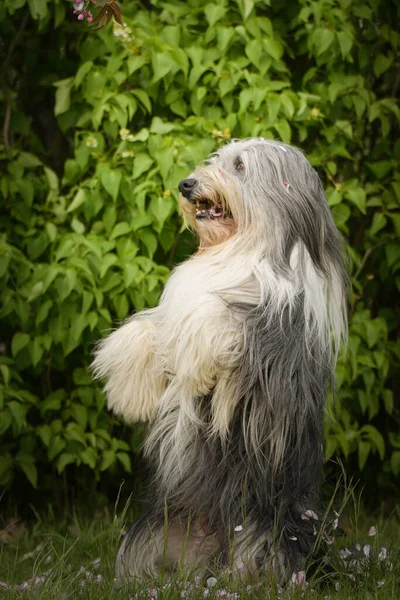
186,187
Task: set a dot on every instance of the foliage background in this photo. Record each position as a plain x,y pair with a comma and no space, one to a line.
98,129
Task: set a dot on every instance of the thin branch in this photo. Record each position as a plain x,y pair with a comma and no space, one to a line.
367,253
3,80
14,43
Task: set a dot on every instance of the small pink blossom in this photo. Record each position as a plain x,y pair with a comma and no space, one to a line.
367,549
344,553
299,579
372,531
383,554
81,17
358,547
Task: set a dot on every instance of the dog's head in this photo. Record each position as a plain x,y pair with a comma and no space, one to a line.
259,189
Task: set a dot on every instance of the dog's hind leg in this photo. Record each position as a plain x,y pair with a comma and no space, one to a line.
151,548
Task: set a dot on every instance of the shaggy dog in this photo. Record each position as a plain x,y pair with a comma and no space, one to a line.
230,371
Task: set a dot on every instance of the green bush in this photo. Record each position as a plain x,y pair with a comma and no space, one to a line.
98,129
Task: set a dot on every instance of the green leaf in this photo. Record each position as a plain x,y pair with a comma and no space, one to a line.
273,47
57,444
19,341
82,377
51,231
130,272
80,415
395,462
45,434
26,464
388,400
52,179
65,459
63,95
89,457
121,306
382,63
79,199
245,6
135,63
162,64
345,42
5,371
330,447
214,13
273,106
284,131
378,222
18,412
358,197
108,459
364,448
125,461
254,51
82,72
144,99
26,159
392,252
333,196
149,240
158,126
35,351
75,432
108,261
120,229
322,39
38,8
142,163
110,179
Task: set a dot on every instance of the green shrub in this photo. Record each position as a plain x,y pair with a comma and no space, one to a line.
98,130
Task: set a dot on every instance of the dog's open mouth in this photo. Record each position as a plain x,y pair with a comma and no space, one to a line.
205,209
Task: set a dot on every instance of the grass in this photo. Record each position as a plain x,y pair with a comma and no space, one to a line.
74,558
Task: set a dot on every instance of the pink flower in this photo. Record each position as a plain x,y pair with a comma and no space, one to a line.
81,17
344,553
299,579
383,554
367,549
372,531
